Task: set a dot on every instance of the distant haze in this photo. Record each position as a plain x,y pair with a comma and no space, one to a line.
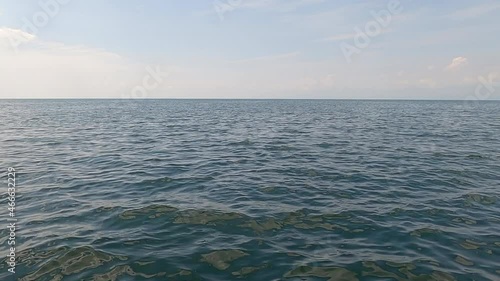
250,49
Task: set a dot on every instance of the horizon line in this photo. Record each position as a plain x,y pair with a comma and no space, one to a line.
344,99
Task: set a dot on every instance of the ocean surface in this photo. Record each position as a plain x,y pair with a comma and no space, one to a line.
252,190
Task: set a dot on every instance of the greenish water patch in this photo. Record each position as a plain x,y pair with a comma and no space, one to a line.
123,270
152,211
249,270
72,261
330,273
463,261
471,245
425,231
404,272
206,217
481,199
465,220
260,227
222,259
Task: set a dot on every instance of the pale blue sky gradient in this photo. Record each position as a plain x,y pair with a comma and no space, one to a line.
259,49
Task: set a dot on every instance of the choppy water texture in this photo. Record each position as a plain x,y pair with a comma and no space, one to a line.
253,190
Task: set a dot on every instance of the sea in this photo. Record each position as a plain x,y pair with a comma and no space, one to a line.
263,190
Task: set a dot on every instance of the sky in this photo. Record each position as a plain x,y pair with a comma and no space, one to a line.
333,49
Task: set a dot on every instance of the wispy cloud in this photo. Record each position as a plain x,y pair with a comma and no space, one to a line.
339,37
281,6
348,36
268,58
278,5
473,12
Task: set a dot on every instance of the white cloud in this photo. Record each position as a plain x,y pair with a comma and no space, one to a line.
12,38
40,69
457,63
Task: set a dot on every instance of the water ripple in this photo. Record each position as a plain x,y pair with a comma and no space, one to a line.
257,190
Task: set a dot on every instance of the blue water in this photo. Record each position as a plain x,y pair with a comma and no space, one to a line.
252,190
